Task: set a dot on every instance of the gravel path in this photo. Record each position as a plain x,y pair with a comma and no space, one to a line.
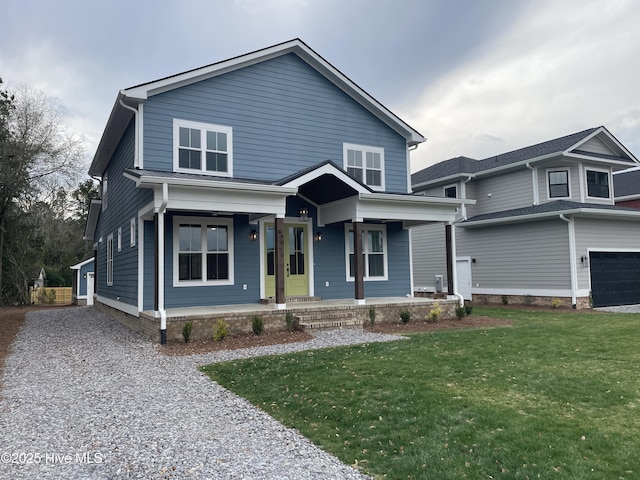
84,397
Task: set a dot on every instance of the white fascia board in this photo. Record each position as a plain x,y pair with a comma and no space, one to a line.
78,266
605,161
613,140
326,170
416,199
443,180
587,212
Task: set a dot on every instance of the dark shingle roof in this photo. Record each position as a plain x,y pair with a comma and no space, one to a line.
626,183
461,165
550,207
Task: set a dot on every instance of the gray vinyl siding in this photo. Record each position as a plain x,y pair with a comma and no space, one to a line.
429,255
596,146
508,191
527,255
603,235
574,183
123,202
285,117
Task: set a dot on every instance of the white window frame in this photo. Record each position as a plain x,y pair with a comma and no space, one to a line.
365,248
203,222
109,258
446,187
119,239
132,232
204,128
548,171
586,182
365,149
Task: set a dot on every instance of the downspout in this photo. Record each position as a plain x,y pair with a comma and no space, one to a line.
136,160
572,259
163,313
534,181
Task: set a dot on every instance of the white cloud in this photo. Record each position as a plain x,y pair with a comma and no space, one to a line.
534,84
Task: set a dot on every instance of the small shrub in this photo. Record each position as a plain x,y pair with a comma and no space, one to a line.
290,321
372,315
468,309
460,312
405,316
505,299
186,331
556,302
434,313
47,296
257,325
220,330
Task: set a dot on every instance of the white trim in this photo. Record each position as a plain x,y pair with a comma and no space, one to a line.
609,182
140,136
119,239
132,232
583,183
446,187
203,222
77,266
366,227
118,305
411,285
364,149
140,261
109,260
203,128
567,170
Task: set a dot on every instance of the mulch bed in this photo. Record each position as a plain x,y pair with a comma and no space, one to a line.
249,340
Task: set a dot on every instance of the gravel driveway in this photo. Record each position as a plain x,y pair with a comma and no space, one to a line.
84,397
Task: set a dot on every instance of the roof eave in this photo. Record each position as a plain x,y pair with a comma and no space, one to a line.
589,212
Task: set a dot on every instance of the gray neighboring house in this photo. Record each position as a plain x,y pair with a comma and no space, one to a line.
626,185
545,225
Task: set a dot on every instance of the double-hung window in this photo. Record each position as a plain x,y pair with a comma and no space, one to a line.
365,164
204,252
374,252
558,183
597,184
202,148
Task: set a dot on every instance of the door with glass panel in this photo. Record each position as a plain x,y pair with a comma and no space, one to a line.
296,276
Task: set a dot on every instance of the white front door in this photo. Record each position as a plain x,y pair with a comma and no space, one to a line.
463,276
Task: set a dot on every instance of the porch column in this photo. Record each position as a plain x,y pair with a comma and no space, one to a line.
281,301
357,263
449,245
158,290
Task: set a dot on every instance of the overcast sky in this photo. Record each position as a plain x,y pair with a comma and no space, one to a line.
476,77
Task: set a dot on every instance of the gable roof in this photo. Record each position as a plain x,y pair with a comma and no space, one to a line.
569,145
128,99
626,184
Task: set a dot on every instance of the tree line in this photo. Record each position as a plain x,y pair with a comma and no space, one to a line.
44,195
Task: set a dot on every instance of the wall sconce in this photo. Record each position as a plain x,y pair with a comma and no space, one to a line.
253,235
318,237
304,214
584,260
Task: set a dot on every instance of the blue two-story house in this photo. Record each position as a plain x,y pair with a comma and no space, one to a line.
266,177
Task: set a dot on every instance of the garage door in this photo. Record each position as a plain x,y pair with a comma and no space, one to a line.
615,278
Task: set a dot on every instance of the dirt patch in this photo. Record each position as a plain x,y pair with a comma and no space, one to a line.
249,340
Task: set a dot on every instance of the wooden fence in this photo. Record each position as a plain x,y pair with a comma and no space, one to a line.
51,296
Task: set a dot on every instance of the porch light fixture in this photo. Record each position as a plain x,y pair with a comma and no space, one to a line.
253,235
318,237
304,214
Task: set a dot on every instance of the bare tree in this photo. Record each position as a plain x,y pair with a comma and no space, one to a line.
39,155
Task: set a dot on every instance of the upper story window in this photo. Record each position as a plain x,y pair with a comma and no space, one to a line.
558,183
365,164
598,183
451,191
204,253
202,148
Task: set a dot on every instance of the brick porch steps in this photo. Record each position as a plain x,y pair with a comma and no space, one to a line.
335,320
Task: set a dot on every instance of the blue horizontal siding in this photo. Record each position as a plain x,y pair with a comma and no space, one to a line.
285,117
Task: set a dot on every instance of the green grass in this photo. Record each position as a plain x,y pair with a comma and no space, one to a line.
555,396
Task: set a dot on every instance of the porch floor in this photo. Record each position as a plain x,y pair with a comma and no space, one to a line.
187,312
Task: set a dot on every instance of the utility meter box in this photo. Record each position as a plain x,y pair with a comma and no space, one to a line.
438,283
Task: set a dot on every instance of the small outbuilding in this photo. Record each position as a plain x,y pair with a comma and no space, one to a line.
83,282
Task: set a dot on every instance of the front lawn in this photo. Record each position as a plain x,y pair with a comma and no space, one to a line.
554,396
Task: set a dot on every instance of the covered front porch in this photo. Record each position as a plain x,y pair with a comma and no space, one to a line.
338,313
